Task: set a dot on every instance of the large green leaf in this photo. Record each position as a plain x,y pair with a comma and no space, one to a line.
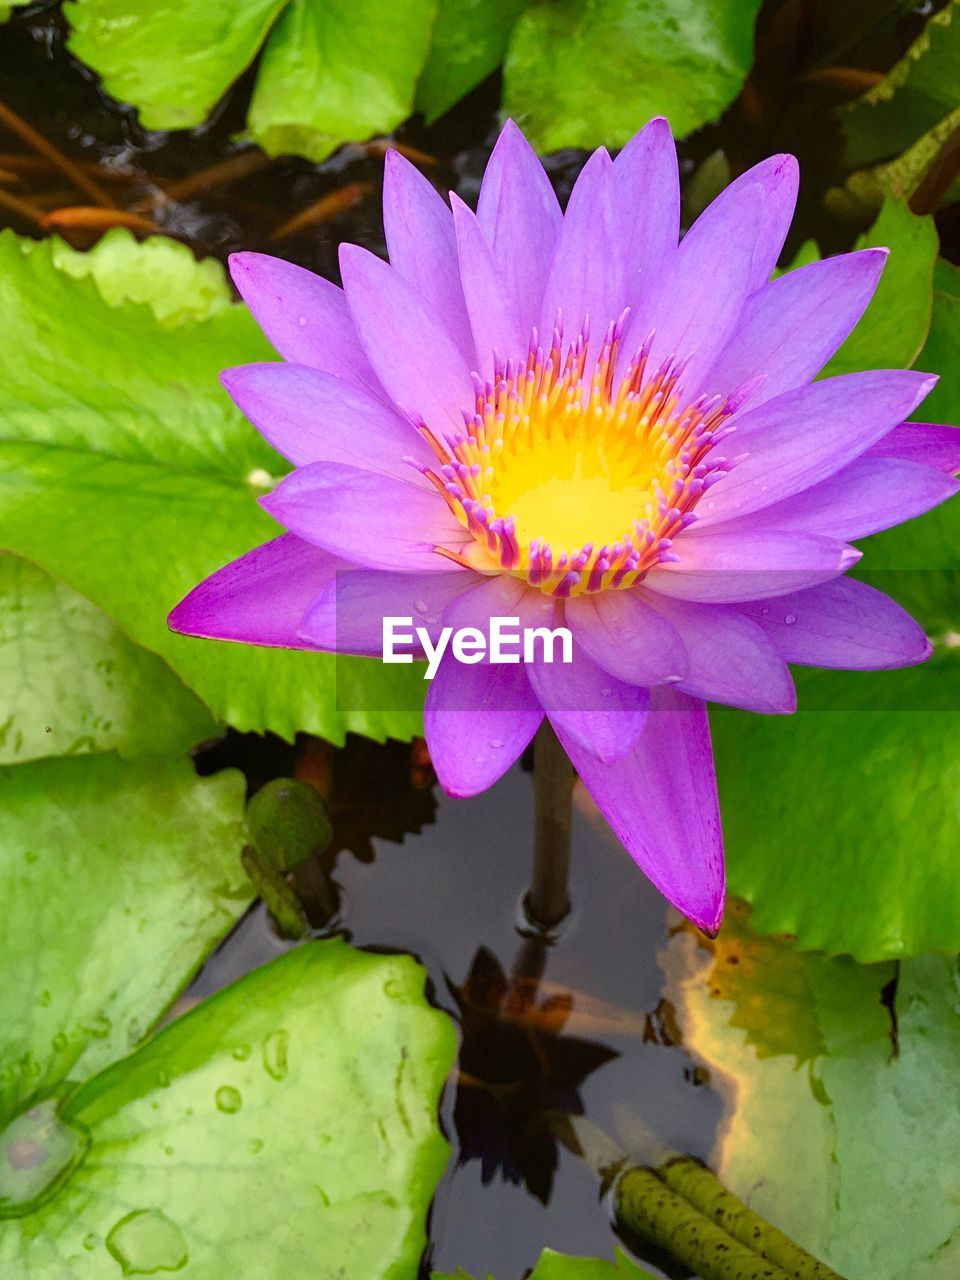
116,879
912,98
842,822
336,70
173,59
286,1127
895,326
558,1266
853,1154
126,471
76,684
470,38
332,71
581,73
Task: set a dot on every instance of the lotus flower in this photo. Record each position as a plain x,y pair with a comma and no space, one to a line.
580,419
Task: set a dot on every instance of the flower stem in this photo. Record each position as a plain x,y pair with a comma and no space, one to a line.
548,900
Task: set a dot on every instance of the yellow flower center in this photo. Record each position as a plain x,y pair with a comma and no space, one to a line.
578,484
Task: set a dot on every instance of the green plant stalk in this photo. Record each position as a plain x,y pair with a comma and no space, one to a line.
694,1181
278,897
650,1208
549,898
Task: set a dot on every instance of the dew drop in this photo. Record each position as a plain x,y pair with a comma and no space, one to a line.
605,693
421,606
228,1099
301,321
496,743
59,1042
764,610
90,1241
275,1054
392,989
790,619
242,1052
256,1146
38,1153
99,1027
146,1242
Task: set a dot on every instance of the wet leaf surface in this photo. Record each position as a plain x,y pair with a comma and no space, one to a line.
273,1103
118,879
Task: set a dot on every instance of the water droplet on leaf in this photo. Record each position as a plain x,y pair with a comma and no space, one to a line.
146,1242
275,1054
242,1052
790,619
228,1099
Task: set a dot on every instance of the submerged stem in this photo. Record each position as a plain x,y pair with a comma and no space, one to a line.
548,900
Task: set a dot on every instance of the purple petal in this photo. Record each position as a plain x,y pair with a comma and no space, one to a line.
366,518
477,721
694,304
843,624
347,616
493,316
731,659
422,246
804,436
661,801
648,204
726,566
259,598
869,495
626,637
602,714
929,443
778,180
417,361
586,278
304,316
790,328
520,217
310,416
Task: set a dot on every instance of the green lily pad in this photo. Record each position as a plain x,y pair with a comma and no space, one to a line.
686,61
470,38
126,472
919,562
337,71
895,326
912,98
117,879
285,1127
77,684
842,822
331,72
854,1153
558,1266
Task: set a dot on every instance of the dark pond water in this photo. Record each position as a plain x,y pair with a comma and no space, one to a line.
449,890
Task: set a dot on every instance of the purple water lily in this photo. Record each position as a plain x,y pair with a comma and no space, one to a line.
579,419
